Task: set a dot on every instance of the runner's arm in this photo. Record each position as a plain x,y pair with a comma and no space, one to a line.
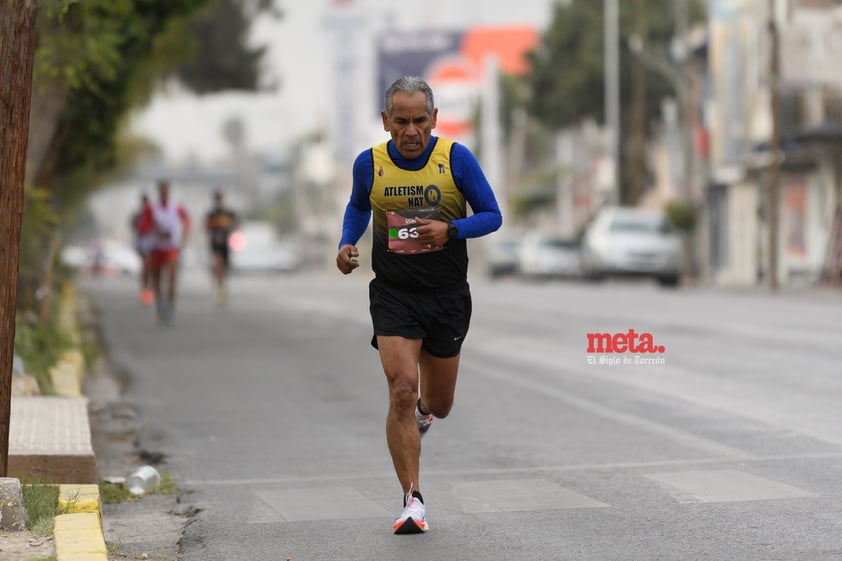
146,222
358,209
185,225
471,180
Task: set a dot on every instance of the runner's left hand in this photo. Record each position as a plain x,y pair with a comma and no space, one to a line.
432,232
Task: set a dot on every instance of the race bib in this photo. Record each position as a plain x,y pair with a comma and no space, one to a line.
403,235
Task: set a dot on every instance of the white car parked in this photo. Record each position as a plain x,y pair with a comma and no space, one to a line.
543,256
627,241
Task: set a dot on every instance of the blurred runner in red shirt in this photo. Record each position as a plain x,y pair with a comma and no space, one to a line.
170,227
144,234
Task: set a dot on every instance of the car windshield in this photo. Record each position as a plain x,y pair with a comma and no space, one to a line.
511,245
559,243
639,225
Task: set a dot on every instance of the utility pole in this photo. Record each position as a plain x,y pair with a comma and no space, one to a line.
774,145
490,132
612,91
17,46
637,149
685,92
688,156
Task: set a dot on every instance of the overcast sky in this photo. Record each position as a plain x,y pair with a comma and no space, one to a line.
302,53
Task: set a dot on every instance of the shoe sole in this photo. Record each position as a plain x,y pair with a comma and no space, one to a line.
410,526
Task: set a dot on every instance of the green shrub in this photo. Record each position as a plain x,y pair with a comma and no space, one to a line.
40,348
683,215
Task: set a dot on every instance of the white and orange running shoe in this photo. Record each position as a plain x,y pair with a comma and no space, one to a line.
413,518
147,297
423,421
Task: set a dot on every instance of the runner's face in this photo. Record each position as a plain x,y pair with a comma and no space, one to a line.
410,124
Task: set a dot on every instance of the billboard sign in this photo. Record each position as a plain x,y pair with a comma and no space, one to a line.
452,63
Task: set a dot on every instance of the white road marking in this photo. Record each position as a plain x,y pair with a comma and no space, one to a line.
296,505
518,495
727,485
683,438
344,477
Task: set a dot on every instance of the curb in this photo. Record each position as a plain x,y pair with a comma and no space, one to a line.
69,371
79,534
61,452
78,537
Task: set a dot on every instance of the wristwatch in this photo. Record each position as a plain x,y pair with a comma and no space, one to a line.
452,231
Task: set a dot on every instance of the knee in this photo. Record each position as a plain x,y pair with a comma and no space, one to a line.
439,409
403,393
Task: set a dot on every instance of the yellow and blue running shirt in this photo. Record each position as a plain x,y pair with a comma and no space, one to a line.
440,181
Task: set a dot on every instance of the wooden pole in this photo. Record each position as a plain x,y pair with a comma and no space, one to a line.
17,46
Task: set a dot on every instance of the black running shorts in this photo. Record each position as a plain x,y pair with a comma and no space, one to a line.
441,319
221,249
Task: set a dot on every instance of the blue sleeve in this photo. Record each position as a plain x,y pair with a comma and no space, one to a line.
471,180
358,210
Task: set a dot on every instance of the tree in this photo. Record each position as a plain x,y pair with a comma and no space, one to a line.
94,61
222,58
91,57
17,46
567,76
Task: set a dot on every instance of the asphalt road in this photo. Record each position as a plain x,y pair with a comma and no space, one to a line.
270,414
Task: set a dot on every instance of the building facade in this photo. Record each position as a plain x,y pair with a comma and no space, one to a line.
740,121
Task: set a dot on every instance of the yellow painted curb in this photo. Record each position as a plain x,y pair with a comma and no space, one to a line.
79,498
76,522
67,312
74,356
84,557
79,536
65,380
68,373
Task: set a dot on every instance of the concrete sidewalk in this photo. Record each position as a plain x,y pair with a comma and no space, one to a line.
50,442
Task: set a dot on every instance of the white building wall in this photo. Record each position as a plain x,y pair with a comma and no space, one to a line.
743,235
822,206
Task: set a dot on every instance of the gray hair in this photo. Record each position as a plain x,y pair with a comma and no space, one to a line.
409,85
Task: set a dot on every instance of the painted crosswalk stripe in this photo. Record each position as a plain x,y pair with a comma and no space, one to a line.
296,505
727,485
518,495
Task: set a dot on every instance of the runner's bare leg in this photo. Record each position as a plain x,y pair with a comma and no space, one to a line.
438,383
399,357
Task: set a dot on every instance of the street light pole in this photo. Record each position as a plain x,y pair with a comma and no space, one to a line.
774,146
612,92
684,93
